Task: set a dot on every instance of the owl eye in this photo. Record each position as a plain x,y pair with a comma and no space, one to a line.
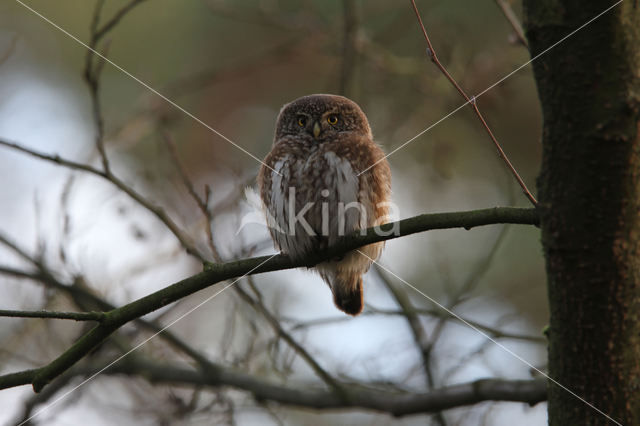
302,120
332,119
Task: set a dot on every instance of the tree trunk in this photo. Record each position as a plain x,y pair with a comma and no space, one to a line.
589,187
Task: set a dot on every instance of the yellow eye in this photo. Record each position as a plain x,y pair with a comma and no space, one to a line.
332,119
302,121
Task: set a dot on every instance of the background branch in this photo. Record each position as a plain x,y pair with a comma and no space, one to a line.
395,403
258,346
509,14
201,202
349,46
273,322
79,292
76,316
216,272
157,211
417,330
472,101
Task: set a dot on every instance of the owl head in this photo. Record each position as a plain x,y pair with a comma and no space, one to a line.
320,118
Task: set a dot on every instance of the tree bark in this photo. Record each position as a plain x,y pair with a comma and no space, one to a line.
589,187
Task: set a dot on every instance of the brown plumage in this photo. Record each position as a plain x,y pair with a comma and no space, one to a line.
322,143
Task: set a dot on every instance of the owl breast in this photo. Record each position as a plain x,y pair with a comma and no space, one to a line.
314,198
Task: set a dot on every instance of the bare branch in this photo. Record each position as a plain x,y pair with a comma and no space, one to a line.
54,159
369,311
209,374
76,316
157,211
86,299
277,328
91,74
202,203
394,403
117,17
507,11
472,101
18,379
92,71
12,47
349,46
471,282
217,272
417,330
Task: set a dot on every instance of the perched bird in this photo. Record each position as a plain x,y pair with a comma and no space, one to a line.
314,191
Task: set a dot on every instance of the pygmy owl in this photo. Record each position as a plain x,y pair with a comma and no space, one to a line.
315,187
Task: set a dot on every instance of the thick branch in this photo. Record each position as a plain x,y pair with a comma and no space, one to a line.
395,403
87,300
217,272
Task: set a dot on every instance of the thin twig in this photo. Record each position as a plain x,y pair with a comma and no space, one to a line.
91,75
92,71
472,101
417,330
117,17
508,13
76,316
438,313
85,299
54,159
472,281
12,47
349,46
200,202
479,272
110,177
277,328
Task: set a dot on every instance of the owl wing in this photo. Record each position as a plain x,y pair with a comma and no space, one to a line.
276,181
345,210
271,181
372,174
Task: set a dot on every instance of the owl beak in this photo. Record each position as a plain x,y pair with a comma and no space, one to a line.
316,129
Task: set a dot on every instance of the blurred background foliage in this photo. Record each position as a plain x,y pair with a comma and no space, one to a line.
233,64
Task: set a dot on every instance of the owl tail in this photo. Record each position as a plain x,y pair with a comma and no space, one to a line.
347,293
